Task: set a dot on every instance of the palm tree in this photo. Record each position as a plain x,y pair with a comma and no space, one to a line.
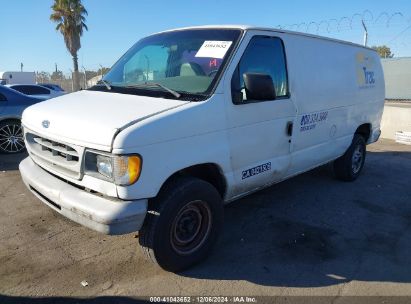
70,18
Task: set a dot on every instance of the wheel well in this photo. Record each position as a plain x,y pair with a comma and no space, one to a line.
208,172
364,130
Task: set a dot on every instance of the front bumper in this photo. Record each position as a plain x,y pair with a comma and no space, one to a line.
106,215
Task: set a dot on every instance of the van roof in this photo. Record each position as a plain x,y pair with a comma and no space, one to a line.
251,27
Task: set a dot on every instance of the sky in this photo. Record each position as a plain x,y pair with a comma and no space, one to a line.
29,37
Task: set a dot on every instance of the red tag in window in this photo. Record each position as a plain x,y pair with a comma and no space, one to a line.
213,63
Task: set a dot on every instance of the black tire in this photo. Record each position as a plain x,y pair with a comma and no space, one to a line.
11,137
349,166
163,232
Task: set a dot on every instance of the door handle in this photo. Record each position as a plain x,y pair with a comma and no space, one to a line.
289,128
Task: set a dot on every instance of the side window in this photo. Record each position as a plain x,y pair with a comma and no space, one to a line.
31,90
263,55
23,89
2,98
20,89
38,90
27,90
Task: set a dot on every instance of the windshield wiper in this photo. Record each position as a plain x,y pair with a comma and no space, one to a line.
106,83
147,84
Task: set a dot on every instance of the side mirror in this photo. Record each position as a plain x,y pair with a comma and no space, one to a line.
259,86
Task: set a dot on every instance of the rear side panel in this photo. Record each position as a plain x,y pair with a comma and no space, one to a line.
337,87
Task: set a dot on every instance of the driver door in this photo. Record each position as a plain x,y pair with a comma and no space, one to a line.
259,132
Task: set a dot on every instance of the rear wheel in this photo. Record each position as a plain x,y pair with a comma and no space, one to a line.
182,224
11,137
348,167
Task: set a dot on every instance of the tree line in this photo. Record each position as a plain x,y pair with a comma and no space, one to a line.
384,51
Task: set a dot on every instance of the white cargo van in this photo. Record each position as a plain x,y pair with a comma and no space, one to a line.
193,118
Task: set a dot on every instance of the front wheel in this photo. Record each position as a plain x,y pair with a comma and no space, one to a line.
182,224
348,167
11,137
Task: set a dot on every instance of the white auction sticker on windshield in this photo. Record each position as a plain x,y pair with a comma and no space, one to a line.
214,49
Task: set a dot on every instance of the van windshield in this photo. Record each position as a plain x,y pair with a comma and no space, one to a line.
185,61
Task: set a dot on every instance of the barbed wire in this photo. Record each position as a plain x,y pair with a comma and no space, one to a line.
349,22
399,34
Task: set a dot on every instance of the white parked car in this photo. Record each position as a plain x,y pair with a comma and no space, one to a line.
36,90
193,118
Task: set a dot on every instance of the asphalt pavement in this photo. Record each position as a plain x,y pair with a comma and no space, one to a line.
311,235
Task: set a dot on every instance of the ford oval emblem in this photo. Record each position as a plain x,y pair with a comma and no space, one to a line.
45,124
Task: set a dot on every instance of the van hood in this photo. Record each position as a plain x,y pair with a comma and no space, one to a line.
92,119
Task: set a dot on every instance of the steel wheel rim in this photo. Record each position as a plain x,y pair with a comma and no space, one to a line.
11,138
191,227
357,159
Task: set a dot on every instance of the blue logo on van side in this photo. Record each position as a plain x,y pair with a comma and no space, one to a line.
309,121
368,76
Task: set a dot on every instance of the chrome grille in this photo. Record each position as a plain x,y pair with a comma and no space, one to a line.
57,149
56,156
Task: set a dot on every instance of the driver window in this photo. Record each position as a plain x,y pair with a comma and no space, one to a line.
262,55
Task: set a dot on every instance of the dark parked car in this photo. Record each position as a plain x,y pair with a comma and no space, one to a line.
35,90
12,105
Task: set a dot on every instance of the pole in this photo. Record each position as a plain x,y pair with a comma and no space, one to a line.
72,80
101,71
365,33
85,77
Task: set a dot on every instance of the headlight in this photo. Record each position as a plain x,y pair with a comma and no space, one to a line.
122,170
105,166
